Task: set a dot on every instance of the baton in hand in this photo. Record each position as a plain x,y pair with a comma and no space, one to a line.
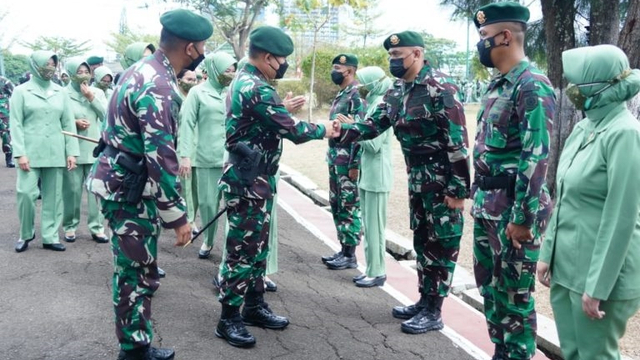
206,226
80,137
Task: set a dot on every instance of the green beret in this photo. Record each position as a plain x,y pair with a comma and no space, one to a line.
95,60
187,25
346,59
272,40
501,12
405,38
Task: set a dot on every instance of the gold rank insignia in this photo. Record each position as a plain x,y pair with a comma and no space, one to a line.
394,40
343,59
481,17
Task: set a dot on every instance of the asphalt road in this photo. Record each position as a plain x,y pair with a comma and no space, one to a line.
58,305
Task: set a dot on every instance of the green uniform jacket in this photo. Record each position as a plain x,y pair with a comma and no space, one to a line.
94,112
202,134
376,167
36,121
593,238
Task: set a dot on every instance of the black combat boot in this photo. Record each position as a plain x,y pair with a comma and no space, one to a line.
407,312
327,258
256,312
428,319
500,353
346,261
146,353
8,158
231,328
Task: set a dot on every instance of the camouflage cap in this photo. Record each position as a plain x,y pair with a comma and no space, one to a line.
187,25
272,40
95,60
402,39
346,59
501,12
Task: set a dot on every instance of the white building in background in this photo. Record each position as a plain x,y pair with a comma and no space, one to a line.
329,34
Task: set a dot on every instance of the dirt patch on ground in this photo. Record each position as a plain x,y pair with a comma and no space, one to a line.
309,159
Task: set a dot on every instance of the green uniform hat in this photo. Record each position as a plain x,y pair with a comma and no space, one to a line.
501,12
346,59
272,40
187,25
405,38
95,60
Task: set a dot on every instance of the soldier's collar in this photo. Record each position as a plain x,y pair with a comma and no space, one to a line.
513,74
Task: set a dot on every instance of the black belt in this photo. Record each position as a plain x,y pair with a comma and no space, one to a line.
263,168
125,159
507,182
425,159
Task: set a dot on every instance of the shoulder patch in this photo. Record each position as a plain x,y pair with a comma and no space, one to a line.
529,95
447,99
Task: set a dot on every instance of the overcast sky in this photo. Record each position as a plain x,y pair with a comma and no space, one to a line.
94,20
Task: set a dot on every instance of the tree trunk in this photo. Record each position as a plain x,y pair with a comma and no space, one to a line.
565,118
560,36
313,72
630,34
604,22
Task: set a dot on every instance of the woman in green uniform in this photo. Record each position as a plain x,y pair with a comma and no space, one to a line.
40,111
104,80
591,254
376,179
201,138
88,106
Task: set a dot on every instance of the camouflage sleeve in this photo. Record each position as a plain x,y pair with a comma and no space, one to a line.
99,103
370,128
457,150
68,123
268,107
16,117
187,126
535,107
358,107
153,109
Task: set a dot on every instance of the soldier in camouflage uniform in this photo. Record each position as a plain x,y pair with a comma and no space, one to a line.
257,121
344,166
140,130
6,89
430,126
510,198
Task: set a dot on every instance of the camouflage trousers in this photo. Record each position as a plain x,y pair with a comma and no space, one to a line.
134,243
436,240
4,131
345,205
506,278
247,248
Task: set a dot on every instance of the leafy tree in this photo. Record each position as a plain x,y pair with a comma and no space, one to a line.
363,22
120,40
15,66
63,47
234,19
318,13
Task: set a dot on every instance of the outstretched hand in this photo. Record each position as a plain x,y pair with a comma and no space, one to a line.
332,129
345,119
293,104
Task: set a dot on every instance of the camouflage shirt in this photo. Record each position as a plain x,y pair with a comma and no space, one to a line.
6,89
514,125
428,124
257,117
139,122
347,102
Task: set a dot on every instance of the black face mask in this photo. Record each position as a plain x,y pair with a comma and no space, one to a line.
194,64
396,67
484,50
281,70
337,77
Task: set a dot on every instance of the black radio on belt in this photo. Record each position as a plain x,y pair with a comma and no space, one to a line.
507,182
